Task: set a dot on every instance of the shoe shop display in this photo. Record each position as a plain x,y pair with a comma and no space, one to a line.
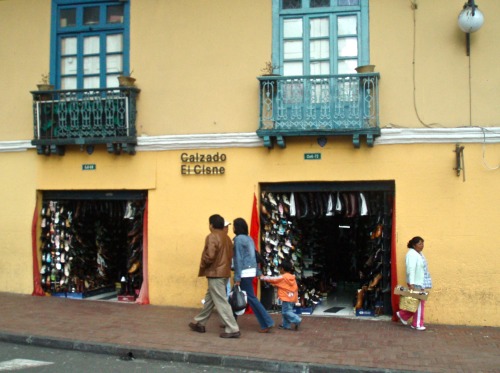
330,237
82,245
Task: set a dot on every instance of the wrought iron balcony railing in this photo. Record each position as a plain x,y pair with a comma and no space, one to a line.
321,105
85,117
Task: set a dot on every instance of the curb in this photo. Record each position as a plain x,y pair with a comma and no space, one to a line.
126,352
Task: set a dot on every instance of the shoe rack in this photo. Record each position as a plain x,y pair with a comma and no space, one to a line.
82,245
327,236
56,239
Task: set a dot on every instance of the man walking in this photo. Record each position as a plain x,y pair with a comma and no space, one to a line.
215,265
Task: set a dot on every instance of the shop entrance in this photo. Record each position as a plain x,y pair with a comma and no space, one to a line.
91,244
338,237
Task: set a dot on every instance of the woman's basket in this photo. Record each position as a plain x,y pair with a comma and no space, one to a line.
408,303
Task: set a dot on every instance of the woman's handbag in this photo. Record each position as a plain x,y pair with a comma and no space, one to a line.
408,303
237,299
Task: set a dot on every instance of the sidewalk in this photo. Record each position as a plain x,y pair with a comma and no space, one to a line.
323,344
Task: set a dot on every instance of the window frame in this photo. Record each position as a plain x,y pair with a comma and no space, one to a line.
306,13
80,32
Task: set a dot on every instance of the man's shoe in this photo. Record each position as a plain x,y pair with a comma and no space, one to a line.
197,327
297,326
421,328
282,327
404,322
230,335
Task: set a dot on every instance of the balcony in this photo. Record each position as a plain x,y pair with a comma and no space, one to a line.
85,117
320,105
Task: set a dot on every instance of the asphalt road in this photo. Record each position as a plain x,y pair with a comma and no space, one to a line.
25,358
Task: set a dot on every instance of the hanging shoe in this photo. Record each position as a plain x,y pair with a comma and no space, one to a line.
281,210
375,281
304,205
135,266
329,207
363,208
292,205
272,199
285,199
360,298
353,203
264,210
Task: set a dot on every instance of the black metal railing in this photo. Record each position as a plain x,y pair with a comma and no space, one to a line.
85,117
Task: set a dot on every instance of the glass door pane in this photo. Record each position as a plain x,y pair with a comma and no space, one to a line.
348,47
114,64
320,68
320,49
91,65
320,27
114,43
91,82
91,45
347,66
68,46
292,28
68,83
293,50
347,25
68,66
293,68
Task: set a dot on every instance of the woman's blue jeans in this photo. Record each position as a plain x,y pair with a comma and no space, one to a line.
288,315
265,321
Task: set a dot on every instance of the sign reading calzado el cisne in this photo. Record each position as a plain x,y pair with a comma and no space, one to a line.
196,164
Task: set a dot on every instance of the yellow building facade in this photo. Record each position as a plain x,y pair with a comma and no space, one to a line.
196,65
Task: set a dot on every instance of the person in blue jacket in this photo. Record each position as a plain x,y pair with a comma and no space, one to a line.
246,269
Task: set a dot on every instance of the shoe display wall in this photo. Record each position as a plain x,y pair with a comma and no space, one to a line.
330,237
82,245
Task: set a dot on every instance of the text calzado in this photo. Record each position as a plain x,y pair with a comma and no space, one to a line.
200,158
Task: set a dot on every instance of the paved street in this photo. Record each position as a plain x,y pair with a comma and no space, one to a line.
27,358
323,344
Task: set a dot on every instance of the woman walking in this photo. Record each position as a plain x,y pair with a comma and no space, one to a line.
417,278
245,270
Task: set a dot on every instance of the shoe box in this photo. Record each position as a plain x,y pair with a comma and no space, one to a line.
362,312
126,298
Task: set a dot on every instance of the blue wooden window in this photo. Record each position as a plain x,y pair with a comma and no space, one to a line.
320,37
90,43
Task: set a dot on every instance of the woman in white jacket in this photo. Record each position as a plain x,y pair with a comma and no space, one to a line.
417,278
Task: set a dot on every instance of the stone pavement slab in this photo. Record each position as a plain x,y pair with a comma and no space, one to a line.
323,344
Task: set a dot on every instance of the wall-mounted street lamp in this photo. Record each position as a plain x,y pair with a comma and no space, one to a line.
459,160
470,20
